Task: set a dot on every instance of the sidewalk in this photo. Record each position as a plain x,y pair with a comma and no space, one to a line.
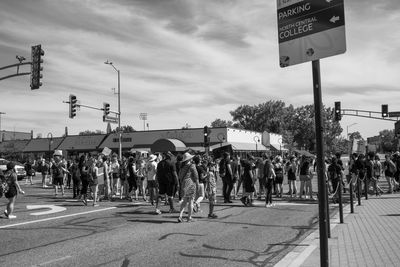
368,237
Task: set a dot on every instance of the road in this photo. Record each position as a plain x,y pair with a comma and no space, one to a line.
123,233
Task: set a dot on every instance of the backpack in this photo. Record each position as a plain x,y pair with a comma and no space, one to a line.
392,167
3,186
222,168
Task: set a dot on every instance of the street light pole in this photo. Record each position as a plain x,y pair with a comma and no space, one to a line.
119,109
50,137
256,139
347,128
1,135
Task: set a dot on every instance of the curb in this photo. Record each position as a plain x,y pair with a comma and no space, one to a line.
301,252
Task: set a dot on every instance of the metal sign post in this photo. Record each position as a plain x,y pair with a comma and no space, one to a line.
309,30
323,236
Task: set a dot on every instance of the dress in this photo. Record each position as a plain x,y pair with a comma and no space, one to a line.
11,178
247,177
187,176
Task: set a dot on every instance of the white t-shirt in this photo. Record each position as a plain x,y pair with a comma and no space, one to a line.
151,169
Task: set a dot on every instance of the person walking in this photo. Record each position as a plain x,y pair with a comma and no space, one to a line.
83,170
151,171
389,171
189,181
29,171
269,177
43,168
58,169
10,181
131,178
291,171
278,169
248,180
93,177
211,188
225,170
76,178
114,169
107,174
202,173
167,179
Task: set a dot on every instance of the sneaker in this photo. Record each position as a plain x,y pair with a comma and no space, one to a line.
84,202
180,219
243,199
196,208
158,212
267,205
212,216
190,220
5,213
11,217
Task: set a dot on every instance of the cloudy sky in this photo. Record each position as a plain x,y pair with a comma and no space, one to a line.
185,62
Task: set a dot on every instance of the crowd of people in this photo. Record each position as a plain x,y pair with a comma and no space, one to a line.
189,178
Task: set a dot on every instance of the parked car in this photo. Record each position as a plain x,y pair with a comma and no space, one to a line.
19,168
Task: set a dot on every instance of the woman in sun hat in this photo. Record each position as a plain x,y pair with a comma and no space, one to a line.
189,181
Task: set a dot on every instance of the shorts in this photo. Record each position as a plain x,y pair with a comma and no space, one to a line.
166,188
93,182
305,178
152,184
279,180
12,191
58,181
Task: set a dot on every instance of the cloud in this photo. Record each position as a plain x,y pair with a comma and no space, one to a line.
182,58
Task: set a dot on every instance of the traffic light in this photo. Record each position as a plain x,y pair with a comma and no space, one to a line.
338,115
106,110
72,106
397,129
206,132
36,66
385,112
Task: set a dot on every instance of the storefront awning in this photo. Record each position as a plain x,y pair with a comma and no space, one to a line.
164,145
236,146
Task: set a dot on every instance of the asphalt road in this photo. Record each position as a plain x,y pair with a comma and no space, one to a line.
123,233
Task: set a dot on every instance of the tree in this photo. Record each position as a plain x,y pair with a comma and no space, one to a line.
221,123
388,141
125,129
89,132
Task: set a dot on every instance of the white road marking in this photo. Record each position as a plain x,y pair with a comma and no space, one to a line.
55,218
52,261
53,209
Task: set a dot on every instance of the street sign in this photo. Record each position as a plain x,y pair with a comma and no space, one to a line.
394,114
309,30
110,119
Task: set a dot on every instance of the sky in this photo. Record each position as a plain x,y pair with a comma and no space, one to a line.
185,62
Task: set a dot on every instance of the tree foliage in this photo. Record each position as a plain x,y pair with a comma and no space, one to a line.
296,125
125,129
89,132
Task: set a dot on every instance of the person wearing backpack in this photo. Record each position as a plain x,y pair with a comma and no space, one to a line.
12,188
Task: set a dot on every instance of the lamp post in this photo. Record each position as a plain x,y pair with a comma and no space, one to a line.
50,137
257,140
1,135
347,129
119,110
143,116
